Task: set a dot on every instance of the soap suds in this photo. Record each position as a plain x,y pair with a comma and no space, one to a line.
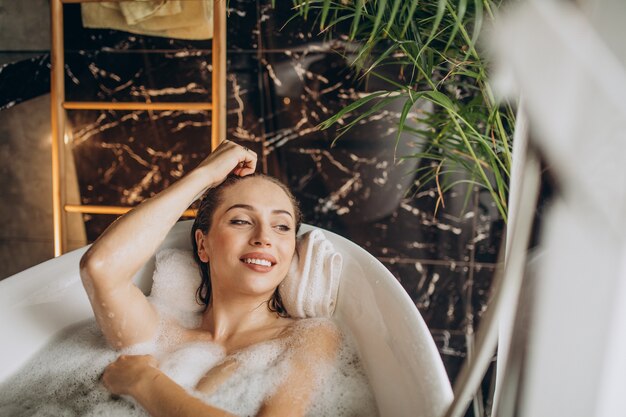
64,378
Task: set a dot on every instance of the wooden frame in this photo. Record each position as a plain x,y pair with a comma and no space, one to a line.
59,105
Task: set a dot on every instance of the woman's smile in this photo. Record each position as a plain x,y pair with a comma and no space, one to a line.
258,261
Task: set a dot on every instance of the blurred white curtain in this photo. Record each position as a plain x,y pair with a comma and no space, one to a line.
567,62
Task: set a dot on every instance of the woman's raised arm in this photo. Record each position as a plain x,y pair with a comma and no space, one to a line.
122,311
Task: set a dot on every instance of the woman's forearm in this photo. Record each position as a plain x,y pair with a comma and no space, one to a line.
162,397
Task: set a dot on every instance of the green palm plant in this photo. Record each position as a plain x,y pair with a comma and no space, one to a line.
433,44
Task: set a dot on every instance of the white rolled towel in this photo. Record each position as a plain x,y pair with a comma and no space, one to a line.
311,286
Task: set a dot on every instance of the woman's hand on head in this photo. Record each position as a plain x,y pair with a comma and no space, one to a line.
129,372
227,158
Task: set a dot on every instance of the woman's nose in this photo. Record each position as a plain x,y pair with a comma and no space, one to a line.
261,237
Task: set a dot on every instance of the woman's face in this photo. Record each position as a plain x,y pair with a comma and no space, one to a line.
251,241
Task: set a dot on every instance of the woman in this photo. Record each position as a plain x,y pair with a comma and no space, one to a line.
246,242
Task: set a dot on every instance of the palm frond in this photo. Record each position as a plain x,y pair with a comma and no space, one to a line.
434,47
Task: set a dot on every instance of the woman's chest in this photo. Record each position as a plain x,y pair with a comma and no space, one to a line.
194,361
238,381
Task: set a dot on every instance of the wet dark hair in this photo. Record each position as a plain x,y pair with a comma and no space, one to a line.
204,217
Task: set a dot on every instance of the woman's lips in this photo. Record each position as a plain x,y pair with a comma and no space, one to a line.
258,268
258,261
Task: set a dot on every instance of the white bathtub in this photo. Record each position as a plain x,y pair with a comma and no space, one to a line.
398,352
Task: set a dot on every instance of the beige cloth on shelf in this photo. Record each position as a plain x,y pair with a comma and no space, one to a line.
166,18
137,11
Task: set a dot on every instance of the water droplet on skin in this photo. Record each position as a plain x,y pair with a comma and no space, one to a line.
110,315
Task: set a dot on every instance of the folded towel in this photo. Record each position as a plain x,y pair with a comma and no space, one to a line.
137,11
170,19
311,286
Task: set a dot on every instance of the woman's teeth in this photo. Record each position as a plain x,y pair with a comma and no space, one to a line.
258,262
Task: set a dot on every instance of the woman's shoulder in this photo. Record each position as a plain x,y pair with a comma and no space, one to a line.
314,324
320,326
317,336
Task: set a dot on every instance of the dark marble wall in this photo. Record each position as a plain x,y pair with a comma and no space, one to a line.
283,80
23,80
24,47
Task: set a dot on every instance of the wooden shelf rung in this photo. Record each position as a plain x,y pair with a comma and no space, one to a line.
91,1
116,105
117,210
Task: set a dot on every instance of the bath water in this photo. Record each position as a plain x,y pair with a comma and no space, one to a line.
63,380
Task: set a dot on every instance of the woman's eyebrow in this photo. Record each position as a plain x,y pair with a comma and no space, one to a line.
282,212
251,208
241,206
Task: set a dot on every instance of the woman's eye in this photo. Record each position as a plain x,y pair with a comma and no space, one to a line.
239,221
283,227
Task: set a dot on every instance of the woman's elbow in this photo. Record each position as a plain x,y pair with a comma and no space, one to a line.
91,267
